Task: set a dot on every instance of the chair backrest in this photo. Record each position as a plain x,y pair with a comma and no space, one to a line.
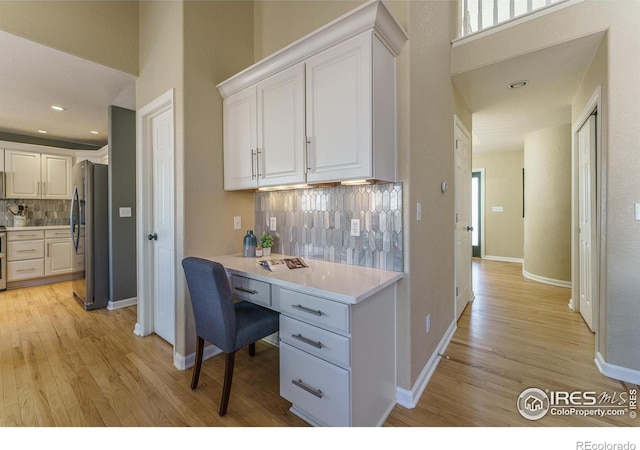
212,302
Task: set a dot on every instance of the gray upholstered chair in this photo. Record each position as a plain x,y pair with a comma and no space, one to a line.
227,325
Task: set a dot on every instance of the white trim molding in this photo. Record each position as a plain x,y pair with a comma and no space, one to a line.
410,398
545,280
616,372
124,303
504,259
185,362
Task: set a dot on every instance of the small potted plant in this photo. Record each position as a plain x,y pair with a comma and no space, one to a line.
266,242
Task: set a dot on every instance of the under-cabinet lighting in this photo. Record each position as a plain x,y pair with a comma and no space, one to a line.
94,132
57,108
284,188
355,182
42,131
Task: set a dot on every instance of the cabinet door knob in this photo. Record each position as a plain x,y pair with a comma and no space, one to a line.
152,237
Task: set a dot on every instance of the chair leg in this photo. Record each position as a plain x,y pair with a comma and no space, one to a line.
228,378
198,363
252,349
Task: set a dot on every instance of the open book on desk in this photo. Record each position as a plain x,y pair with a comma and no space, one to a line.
279,265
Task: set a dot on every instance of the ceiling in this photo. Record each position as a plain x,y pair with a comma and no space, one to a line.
34,77
503,116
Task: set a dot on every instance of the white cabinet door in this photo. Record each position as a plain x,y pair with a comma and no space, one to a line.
58,256
23,174
240,140
56,177
339,111
281,129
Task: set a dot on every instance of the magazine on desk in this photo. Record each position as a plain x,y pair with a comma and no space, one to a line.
279,265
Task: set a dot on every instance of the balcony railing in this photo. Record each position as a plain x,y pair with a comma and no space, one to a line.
478,15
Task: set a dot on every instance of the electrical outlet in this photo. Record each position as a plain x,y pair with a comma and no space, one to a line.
355,227
272,224
427,323
237,222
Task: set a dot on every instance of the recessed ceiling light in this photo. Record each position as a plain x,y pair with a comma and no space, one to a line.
57,108
42,131
518,84
94,132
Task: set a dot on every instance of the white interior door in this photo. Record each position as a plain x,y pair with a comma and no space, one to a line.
587,221
162,236
464,292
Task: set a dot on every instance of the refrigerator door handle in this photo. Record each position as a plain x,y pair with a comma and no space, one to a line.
75,219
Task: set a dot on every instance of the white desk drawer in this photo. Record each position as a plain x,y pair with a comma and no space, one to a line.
25,270
25,235
22,250
251,290
315,387
315,310
324,344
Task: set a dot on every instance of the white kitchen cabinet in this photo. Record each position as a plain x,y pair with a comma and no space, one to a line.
25,255
58,252
37,175
264,136
348,112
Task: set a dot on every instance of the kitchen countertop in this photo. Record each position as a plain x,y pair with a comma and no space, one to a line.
44,227
340,282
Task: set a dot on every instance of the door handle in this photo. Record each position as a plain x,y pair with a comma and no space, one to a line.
152,237
469,228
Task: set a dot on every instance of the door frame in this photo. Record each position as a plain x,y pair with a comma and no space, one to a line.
482,207
144,211
593,105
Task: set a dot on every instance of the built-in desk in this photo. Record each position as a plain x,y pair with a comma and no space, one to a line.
337,336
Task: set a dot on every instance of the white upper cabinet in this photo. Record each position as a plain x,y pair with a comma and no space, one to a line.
263,134
322,109
37,175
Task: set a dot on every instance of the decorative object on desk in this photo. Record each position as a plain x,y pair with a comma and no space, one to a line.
280,265
258,252
266,241
19,212
250,244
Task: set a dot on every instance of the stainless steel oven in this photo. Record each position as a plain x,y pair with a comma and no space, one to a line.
3,258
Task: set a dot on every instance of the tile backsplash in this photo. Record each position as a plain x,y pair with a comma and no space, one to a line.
316,223
40,212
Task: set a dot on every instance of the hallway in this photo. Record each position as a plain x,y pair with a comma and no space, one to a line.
515,335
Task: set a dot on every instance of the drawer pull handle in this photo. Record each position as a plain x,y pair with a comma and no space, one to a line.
248,291
317,392
315,312
26,270
31,250
306,340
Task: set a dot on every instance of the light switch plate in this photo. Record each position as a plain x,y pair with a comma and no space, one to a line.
237,222
637,211
125,211
355,227
497,209
272,223
418,212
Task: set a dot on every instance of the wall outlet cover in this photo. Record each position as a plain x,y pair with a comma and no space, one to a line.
272,224
237,222
125,211
355,227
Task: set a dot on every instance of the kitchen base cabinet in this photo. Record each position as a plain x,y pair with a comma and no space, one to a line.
337,361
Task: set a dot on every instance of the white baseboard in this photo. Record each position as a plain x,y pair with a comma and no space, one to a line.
551,281
185,362
111,305
409,399
504,259
617,372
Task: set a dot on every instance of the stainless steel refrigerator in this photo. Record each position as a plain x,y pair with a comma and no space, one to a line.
90,233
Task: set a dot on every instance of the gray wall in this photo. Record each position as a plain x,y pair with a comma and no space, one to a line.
122,193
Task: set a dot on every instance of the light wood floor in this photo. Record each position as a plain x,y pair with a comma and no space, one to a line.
61,366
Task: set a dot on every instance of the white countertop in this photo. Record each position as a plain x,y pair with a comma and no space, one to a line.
340,282
45,227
